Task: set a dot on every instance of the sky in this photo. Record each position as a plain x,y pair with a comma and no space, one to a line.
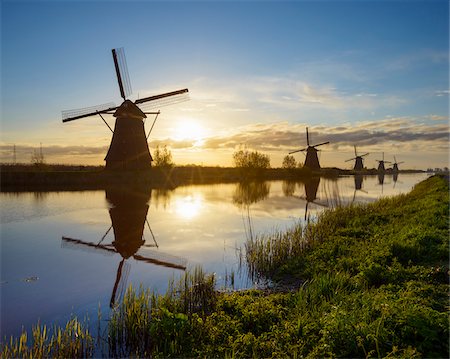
374,74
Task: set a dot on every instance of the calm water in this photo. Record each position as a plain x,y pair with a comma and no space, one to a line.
66,253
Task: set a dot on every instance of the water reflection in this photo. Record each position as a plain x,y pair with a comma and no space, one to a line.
128,210
189,206
247,193
358,182
358,185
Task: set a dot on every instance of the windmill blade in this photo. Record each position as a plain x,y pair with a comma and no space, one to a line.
165,99
395,160
320,144
400,162
303,149
307,136
365,154
74,243
120,63
71,115
145,254
356,155
351,159
123,271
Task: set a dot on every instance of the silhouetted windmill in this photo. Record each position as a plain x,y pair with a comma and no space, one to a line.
129,147
358,161
311,161
381,164
128,214
395,165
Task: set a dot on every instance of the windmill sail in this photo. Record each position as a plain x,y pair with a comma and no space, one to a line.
120,64
71,115
165,99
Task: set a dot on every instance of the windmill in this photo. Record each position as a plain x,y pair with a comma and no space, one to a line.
312,161
358,161
381,164
128,211
129,148
395,165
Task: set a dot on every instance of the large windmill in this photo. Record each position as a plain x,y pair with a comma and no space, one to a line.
128,211
358,161
311,161
395,165
129,148
381,163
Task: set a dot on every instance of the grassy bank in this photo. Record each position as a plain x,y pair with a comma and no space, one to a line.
370,281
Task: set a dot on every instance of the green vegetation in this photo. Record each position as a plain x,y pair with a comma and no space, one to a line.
73,341
163,157
289,162
251,163
364,281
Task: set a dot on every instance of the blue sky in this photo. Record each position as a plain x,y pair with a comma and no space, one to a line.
370,73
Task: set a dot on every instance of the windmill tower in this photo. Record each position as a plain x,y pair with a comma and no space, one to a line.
311,161
129,148
381,164
395,165
358,161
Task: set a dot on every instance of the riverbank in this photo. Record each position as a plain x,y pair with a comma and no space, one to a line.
62,177
361,281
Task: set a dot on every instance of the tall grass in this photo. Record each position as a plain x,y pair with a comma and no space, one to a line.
146,323
72,341
265,253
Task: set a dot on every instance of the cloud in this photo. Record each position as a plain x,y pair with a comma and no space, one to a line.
284,136
441,93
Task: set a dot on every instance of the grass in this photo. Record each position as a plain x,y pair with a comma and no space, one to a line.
373,282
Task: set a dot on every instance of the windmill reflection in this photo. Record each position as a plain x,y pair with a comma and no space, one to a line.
311,186
128,212
358,178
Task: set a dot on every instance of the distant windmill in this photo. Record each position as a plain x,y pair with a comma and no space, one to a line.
129,147
358,161
312,161
381,164
395,165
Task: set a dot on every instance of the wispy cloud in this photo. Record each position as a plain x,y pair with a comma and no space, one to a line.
284,136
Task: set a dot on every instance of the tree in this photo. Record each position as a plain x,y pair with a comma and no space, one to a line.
37,158
163,157
251,160
289,162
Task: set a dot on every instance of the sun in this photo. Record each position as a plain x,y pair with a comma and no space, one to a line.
189,130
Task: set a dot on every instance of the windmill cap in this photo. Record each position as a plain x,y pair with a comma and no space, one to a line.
130,110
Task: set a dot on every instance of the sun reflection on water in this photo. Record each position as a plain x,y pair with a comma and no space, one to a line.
189,206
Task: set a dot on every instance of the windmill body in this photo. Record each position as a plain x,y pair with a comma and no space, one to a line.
129,148
312,160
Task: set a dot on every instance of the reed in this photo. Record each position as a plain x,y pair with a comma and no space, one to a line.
72,341
146,323
267,252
